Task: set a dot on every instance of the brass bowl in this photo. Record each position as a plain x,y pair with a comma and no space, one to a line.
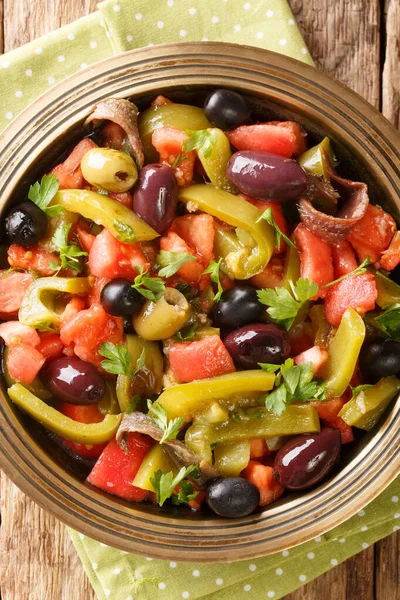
368,148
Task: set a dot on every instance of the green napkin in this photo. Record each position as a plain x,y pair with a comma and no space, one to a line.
25,73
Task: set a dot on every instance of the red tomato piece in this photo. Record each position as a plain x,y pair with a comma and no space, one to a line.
168,143
198,232
50,345
346,431
200,359
110,258
191,271
75,305
32,258
160,100
69,172
13,286
391,257
278,215
274,137
89,329
263,477
372,234
83,414
95,289
113,136
196,503
271,277
315,258
315,355
24,362
356,291
14,332
124,198
115,470
85,238
258,448
300,144
328,412
344,260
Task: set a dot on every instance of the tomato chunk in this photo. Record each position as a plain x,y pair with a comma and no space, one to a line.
315,258
300,134
198,232
14,332
344,260
258,448
85,238
283,138
372,234
32,258
168,143
24,362
328,411
113,135
200,359
190,271
356,291
110,258
95,289
391,257
263,477
315,355
83,414
160,100
115,470
13,286
75,305
278,215
271,277
50,345
124,198
69,172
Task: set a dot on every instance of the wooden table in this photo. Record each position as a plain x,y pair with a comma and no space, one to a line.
356,41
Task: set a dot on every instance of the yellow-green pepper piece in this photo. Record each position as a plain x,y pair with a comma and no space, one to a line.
64,219
216,159
125,225
186,399
367,406
39,302
155,459
343,353
53,420
321,328
226,242
291,269
388,290
246,262
232,457
215,413
108,405
180,116
36,387
197,441
316,160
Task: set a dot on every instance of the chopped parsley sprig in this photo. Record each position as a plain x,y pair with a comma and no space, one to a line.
70,254
201,140
268,216
152,288
118,360
164,484
355,272
213,269
171,428
42,193
389,322
283,305
171,262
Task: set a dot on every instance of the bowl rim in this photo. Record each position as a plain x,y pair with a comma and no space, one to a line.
22,458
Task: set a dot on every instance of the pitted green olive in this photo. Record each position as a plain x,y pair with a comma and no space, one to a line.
162,319
109,169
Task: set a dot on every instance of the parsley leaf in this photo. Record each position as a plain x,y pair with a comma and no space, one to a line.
185,493
389,321
276,400
202,140
283,305
269,368
358,271
268,216
213,269
171,428
171,262
44,326
119,362
165,483
69,253
151,288
187,333
125,231
43,193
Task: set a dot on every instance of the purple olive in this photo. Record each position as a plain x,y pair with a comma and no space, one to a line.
155,197
307,459
264,175
73,380
258,342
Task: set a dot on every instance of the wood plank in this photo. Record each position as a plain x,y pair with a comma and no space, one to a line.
387,571
391,70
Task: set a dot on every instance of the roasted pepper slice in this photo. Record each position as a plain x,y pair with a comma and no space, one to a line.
388,290
186,399
216,159
125,225
316,160
38,306
232,457
246,262
155,459
291,269
53,420
365,408
343,353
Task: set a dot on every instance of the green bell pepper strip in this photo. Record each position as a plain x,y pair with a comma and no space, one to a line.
155,459
235,211
316,160
125,225
53,420
38,304
343,354
216,161
232,457
186,399
388,290
365,408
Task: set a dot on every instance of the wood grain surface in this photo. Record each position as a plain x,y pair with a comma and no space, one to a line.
355,41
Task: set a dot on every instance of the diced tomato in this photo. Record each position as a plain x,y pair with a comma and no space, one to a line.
200,359
110,258
315,355
89,329
372,234
69,350
198,231
75,305
196,503
14,332
344,260
271,277
315,258
69,172
391,257
190,271
160,100
263,477
278,215
328,412
13,286
258,448
346,431
24,362
85,238
95,289
113,136
32,258
168,143
83,414
356,291
283,138
50,345
115,470
124,198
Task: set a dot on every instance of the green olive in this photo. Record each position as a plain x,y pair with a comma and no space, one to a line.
162,319
109,169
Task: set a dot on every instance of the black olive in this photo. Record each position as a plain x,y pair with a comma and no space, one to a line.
380,358
26,224
232,497
118,298
128,325
226,109
395,275
73,380
237,307
258,342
